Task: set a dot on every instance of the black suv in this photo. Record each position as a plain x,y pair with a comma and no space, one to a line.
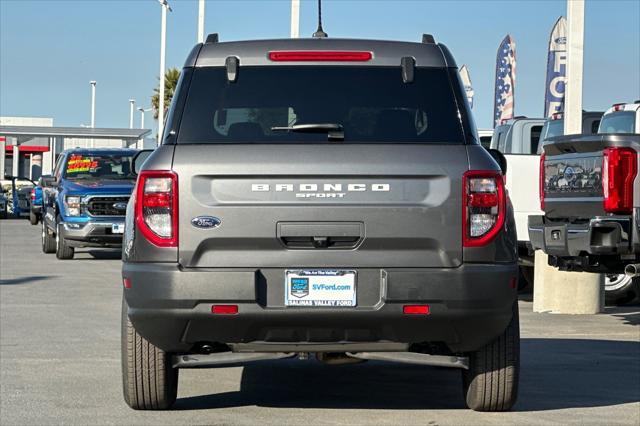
323,196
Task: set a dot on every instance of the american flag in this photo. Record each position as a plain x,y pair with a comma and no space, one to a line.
505,80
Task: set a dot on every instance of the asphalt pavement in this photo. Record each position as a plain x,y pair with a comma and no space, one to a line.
60,363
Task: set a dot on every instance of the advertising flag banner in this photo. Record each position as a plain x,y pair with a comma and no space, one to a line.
503,106
466,81
556,69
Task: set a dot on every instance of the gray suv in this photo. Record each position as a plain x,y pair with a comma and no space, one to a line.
320,196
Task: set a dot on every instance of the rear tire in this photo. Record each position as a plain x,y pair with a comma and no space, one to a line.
48,241
620,290
63,250
33,218
149,382
491,382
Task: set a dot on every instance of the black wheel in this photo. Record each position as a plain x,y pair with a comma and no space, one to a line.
149,382
620,289
491,382
48,241
63,250
525,280
33,218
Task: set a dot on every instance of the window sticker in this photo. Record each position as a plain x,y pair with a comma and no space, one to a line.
79,164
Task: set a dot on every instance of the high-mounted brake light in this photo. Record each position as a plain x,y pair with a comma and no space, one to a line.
619,170
541,181
320,56
618,107
156,207
556,116
483,206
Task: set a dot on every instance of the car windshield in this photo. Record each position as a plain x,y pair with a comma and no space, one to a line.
365,104
99,166
618,122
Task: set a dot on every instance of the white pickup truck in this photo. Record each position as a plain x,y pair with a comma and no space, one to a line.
520,140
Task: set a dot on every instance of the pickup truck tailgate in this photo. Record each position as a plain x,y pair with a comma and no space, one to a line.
573,174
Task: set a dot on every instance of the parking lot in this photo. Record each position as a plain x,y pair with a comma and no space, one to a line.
60,363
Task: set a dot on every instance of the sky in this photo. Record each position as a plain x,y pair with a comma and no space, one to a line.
51,49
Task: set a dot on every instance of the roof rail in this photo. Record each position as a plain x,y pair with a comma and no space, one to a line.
212,38
428,39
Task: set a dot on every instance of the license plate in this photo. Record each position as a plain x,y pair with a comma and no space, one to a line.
330,288
117,228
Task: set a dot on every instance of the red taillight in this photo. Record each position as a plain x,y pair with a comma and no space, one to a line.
224,309
483,206
415,309
619,170
320,56
541,181
156,207
33,194
126,282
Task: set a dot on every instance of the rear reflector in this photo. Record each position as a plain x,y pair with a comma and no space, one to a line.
224,309
415,309
126,282
319,56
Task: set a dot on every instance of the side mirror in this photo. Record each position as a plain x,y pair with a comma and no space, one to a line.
47,181
500,159
139,159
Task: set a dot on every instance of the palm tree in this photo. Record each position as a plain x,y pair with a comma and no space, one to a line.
171,77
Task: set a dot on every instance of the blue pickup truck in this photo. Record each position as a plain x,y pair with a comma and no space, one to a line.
85,200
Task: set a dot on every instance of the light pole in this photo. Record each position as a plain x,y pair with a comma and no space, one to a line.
163,40
93,107
295,18
200,21
142,111
131,106
93,103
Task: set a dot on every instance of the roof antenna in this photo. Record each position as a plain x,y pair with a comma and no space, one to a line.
319,32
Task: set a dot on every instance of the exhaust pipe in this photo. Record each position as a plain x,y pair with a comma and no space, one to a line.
632,270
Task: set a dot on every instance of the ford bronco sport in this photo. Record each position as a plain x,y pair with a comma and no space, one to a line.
323,196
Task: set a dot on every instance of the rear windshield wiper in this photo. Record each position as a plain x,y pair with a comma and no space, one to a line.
334,131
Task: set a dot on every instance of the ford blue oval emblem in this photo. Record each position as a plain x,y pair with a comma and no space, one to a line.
206,222
120,206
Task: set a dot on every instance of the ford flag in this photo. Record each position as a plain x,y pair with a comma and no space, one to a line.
505,81
556,69
466,81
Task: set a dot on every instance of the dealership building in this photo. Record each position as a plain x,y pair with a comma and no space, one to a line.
29,146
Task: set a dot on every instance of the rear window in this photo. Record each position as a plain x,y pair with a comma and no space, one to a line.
618,122
372,104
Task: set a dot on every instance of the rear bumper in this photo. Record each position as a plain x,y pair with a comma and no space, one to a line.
171,307
600,236
92,233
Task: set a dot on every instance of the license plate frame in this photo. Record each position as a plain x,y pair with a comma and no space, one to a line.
320,288
117,228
